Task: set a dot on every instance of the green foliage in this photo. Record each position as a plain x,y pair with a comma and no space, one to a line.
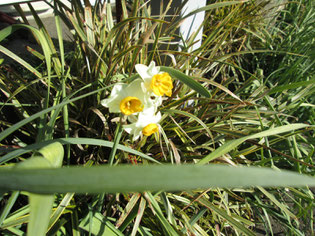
242,107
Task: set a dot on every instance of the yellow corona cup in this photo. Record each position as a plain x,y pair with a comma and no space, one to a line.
156,82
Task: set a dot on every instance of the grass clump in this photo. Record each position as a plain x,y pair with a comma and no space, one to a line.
231,105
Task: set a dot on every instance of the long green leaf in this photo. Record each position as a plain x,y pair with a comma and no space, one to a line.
214,6
290,86
228,146
227,217
40,204
187,80
60,209
6,210
86,141
41,38
21,123
159,214
128,178
20,60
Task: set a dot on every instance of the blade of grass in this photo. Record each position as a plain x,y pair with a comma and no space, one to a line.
228,146
278,89
277,203
159,214
187,80
100,226
227,217
21,61
6,210
129,207
139,217
60,209
87,141
21,123
118,134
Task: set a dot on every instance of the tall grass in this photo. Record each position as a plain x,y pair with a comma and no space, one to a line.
233,122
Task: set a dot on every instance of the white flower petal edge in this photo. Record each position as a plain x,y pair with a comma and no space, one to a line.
134,89
113,101
145,118
147,72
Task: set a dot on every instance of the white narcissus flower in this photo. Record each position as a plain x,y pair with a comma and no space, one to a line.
160,83
130,99
146,124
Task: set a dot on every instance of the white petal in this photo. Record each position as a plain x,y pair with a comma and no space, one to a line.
143,71
134,89
129,128
112,104
113,101
133,130
152,69
147,72
148,117
157,118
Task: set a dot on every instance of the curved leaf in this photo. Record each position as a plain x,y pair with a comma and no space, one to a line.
187,80
228,146
86,141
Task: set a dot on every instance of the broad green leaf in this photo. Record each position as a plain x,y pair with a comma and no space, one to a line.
186,80
127,178
228,146
41,205
54,153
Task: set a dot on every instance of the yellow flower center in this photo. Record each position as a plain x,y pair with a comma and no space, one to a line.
150,129
130,105
162,84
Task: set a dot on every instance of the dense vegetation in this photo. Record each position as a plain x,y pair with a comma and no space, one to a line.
240,114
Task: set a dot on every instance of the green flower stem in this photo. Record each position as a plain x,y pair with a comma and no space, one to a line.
116,142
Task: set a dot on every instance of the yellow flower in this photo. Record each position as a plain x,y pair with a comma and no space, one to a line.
146,124
160,83
130,105
129,99
150,129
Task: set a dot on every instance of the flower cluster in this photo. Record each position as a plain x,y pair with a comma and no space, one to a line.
140,99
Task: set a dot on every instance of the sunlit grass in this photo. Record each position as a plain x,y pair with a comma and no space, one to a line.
244,98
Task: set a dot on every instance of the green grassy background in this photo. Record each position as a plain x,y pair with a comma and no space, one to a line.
236,150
